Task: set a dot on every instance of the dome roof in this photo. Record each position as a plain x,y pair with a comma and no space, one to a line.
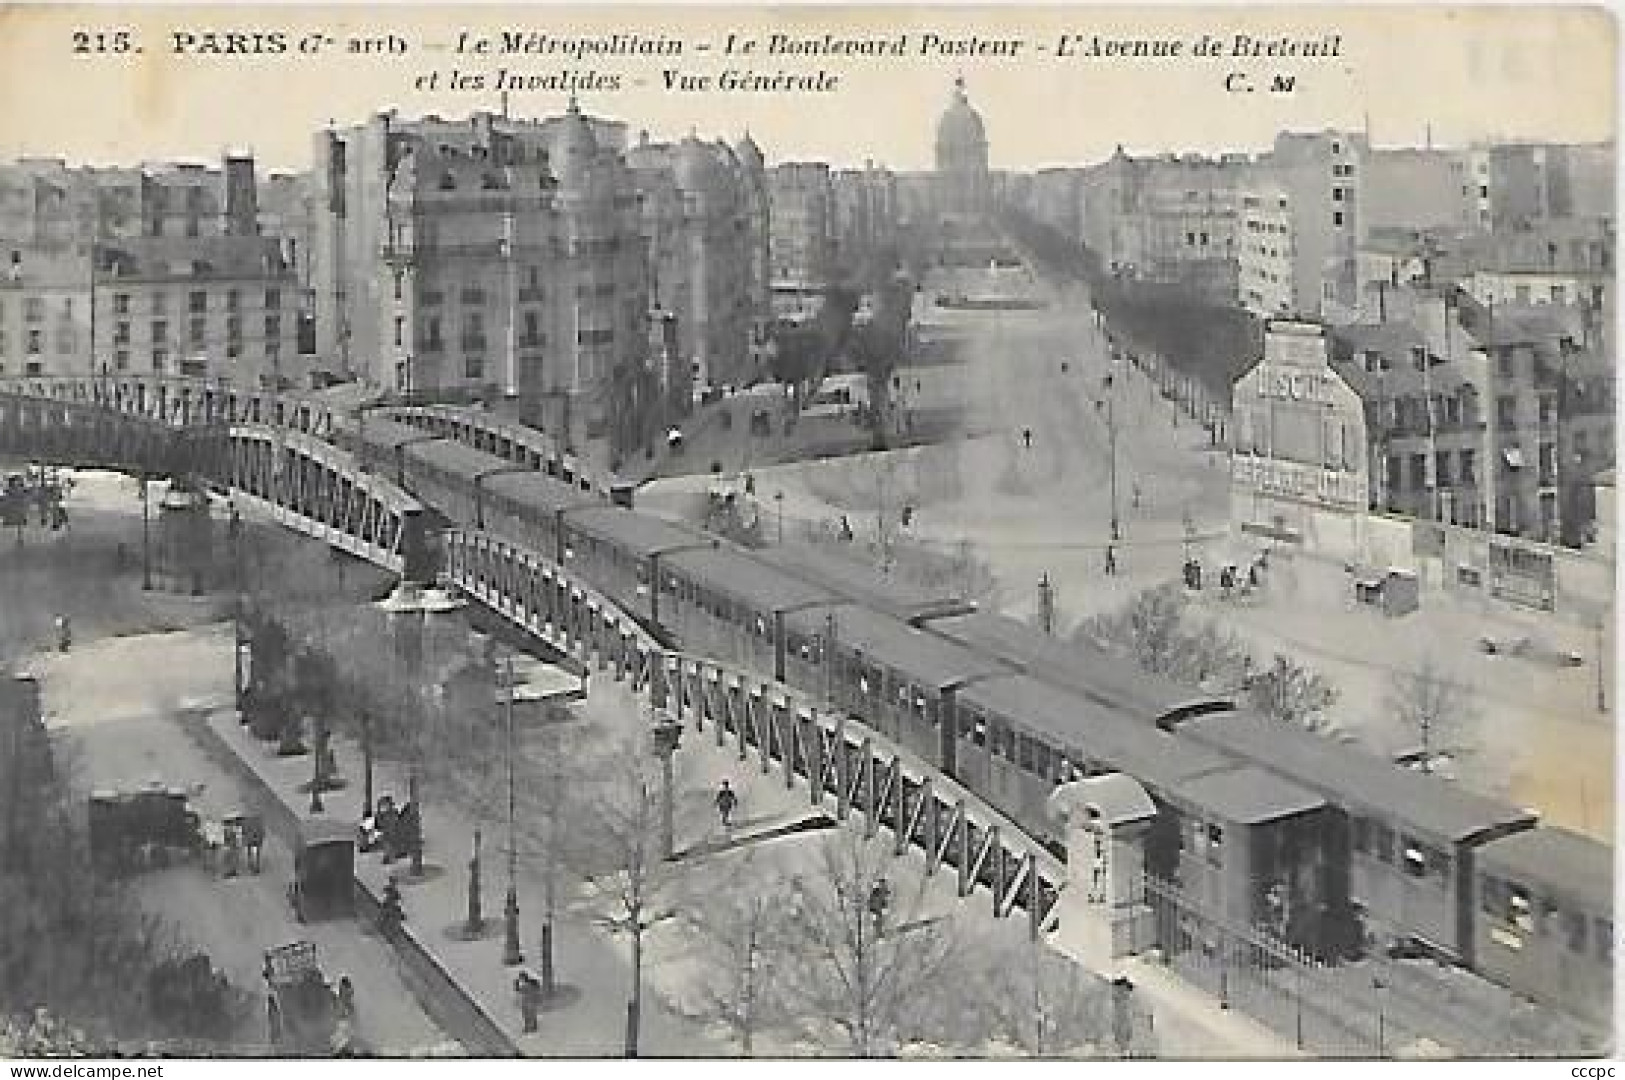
961,125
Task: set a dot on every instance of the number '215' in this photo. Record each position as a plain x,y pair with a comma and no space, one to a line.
114,41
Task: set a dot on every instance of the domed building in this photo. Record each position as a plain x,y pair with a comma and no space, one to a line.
963,185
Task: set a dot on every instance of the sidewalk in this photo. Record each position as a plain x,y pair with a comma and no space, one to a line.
591,1022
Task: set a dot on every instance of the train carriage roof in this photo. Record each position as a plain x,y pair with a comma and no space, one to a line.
1568,863
1247,795
922,657
384,434
538,490
1355,779
638,534
453,457
1096,732
860,582
734,574
1084,667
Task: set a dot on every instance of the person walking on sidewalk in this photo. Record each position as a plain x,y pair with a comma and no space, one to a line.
1111,560
529,990
727,802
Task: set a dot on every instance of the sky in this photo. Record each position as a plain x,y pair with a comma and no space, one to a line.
1462,74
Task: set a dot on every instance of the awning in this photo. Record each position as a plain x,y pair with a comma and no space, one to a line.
1514,456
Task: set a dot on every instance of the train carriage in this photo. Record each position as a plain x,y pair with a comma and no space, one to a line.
1411,837
1019,736
619,551
903,682
529,508
1545,919
1257,851
1080,666
447,474
861,583
381,446
722,602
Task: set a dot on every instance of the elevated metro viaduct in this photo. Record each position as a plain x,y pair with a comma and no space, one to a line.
278,453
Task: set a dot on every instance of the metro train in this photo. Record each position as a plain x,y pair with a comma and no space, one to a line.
1263,824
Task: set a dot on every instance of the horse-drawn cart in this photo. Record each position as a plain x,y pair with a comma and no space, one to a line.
302,1009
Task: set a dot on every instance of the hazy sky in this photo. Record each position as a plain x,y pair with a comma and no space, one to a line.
1532,72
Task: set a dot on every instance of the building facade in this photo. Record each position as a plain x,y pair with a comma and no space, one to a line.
802,242
703,225
1486,418
489,257
46,203
1299,461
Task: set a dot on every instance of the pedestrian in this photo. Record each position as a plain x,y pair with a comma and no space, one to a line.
64,633
529,991
1097,884
1136,495
1027,437
879,903
273,1019
1111,560
346,998
233,852
727,801
253,841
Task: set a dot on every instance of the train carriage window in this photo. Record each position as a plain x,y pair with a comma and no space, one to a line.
1382,841
1519,909
1024,752
1493,897
1215,844
1042,759
1001,739
1548,918
1603,935
1361,830
1574,924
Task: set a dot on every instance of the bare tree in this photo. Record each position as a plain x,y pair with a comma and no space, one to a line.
740,929
867,966
616,846
1435,708
1044,1004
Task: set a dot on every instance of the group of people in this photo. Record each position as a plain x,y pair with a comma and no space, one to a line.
240,845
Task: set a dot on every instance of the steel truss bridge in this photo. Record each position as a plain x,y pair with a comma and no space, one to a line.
281,454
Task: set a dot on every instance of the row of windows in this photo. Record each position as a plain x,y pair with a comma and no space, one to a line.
531,335
34,341
1418,859
1515,905
197,329
197,301
1466,473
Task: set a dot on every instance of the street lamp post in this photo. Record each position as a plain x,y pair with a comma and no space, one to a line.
668,735
146,537
366,763
318,750
234,532
1111,436
511,953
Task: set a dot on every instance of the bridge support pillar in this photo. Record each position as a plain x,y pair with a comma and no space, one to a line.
1103,914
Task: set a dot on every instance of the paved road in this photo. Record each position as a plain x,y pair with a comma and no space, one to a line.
113,701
